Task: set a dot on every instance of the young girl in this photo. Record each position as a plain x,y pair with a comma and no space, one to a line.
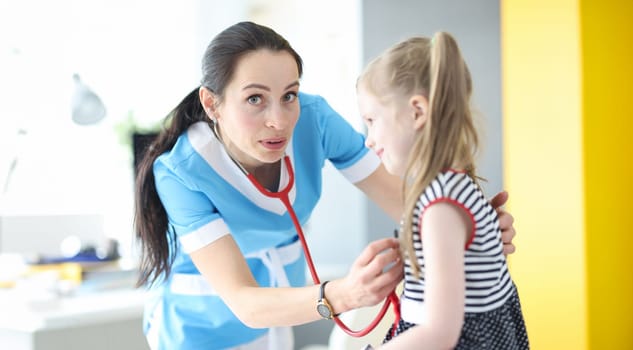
458,293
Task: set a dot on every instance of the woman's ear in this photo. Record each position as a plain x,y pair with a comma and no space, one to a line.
420,105
207,99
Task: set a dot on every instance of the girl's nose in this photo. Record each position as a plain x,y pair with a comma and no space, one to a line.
369,142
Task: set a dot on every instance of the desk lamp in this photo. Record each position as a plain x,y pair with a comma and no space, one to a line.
87,107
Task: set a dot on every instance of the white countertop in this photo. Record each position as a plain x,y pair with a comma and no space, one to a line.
29,314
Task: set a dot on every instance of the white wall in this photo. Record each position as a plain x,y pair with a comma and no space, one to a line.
140,56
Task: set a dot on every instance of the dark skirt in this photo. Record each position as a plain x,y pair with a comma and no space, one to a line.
501,328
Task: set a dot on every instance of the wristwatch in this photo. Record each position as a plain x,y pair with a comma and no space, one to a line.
323,307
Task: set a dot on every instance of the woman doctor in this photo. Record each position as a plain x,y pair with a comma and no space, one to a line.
220,250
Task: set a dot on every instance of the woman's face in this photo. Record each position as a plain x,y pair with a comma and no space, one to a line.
260,107
391,130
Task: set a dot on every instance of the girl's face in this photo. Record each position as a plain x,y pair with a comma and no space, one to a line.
391,128
260,108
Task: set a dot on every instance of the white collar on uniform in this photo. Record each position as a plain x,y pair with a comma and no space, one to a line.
211,149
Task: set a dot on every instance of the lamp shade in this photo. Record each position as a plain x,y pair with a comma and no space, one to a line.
87,107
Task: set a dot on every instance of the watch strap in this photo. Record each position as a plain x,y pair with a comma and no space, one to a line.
322,290
323,298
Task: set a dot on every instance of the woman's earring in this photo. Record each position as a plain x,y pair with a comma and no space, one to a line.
214,123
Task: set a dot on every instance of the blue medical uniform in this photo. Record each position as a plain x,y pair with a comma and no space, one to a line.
206,196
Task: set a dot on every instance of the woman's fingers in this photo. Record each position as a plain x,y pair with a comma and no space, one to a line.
499,199
374,249
506,224
376,272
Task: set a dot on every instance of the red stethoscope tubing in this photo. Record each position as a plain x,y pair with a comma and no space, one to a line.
284,197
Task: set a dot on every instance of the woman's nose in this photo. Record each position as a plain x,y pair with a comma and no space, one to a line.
278,118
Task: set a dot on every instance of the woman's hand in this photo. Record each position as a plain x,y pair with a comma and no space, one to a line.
505,222
372,277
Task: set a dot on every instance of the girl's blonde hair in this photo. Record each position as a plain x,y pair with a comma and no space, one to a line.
434,68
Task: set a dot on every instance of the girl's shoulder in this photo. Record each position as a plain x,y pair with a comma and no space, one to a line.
452,180
450,184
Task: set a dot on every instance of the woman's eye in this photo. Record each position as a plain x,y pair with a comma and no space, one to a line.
291,96
254,100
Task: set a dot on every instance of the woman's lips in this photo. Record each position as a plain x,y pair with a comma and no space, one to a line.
274,144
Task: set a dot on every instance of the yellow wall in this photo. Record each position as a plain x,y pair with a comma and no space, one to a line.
567,77
607,53
543,166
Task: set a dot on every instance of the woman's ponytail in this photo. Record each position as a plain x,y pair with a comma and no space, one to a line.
150,218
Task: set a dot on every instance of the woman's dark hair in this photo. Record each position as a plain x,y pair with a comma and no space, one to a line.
151,225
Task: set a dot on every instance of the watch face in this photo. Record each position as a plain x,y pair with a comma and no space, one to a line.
324,311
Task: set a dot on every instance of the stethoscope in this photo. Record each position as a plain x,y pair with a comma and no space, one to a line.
284,197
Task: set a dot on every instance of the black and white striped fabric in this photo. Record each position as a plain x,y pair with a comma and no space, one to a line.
489,287
488,283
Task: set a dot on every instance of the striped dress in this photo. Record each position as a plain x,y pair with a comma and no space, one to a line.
493,317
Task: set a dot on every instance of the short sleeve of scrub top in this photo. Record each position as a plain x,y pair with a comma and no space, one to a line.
189,211
341,144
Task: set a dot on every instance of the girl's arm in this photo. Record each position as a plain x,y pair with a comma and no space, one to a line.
224,267
445,230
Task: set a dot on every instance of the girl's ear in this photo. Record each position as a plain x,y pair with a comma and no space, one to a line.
207,99
420,105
